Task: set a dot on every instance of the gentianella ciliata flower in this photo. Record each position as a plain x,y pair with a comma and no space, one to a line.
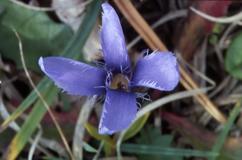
116,79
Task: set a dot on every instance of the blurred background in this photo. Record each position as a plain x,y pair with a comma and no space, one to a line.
199,120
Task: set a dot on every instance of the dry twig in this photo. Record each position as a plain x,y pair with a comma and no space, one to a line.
149,36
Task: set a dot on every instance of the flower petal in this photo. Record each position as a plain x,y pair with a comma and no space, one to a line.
74,77
119,110
112,40
158,70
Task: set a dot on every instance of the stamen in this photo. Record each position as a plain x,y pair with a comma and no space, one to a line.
120,81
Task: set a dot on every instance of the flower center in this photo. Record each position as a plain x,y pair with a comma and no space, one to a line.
119,81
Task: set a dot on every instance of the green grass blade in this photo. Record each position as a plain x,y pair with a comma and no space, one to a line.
223,135
173,152
33,120
42,86
87,147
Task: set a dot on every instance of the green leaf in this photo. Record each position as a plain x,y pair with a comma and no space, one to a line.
94,133
108,142
152,137
89,148
136,127
233,59
42,86
33,120
18,143
223,135
217,29
86,27
40,35
160,151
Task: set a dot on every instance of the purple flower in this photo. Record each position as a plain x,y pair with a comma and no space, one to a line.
117,79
